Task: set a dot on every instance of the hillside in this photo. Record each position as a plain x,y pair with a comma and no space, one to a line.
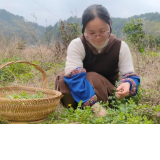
14,25
117,23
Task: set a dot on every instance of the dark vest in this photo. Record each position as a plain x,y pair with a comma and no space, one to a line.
104,63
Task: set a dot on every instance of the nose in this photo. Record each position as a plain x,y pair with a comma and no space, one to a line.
98,36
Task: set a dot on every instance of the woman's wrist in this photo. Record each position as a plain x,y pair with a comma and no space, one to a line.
128,84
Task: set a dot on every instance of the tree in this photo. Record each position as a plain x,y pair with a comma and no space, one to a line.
69,31
135,33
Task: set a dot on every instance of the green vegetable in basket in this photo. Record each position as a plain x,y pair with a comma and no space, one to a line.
24,95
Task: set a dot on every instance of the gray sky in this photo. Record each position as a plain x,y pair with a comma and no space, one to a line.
48,12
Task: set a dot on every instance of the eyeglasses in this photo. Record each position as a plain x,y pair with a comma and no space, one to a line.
93,35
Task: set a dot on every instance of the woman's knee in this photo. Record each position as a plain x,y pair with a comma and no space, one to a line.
67,100
92,77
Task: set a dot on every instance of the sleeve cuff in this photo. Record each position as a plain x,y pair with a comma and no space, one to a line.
75,71
91,101
129,75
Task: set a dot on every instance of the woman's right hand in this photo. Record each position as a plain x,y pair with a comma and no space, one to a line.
98,110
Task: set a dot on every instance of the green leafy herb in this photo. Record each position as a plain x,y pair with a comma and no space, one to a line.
24,95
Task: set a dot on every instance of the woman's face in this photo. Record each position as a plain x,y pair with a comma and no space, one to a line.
97,31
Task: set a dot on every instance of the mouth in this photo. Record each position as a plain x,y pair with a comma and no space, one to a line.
99,41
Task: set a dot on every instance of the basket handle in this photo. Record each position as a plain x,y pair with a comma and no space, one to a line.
44,81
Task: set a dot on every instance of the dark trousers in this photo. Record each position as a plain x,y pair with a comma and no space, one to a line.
102,87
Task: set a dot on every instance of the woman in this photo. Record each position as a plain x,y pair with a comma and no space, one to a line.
93,64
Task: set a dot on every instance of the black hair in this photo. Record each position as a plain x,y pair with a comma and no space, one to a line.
94,11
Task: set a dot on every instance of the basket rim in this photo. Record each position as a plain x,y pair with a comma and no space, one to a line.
50,91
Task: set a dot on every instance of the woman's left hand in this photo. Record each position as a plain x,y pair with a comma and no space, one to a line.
123,90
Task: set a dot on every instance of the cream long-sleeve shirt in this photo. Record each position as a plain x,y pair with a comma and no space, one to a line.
76,54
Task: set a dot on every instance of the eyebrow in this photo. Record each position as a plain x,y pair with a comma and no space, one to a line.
99,29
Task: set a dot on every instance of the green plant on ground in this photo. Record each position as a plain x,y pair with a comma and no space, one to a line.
3,121
126,111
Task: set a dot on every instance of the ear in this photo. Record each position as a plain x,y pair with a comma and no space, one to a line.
110,21
85,35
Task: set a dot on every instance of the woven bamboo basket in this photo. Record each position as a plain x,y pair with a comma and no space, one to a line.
28,110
